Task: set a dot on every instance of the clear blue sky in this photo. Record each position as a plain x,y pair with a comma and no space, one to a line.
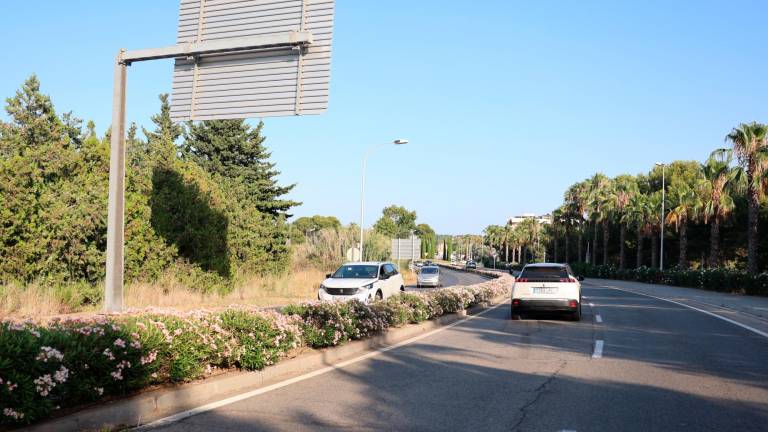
505,103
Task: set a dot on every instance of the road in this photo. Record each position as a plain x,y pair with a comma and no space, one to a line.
451,278
663,367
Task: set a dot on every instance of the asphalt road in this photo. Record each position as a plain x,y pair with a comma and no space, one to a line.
451,278
662,368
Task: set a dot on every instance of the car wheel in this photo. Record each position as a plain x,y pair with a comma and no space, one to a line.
402,288
514,316
379,295
577,314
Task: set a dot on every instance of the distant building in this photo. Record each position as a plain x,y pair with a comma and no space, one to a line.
542,219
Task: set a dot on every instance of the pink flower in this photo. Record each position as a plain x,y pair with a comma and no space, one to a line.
48,353
11,413
120,343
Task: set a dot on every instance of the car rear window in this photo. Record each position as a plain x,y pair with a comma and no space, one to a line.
429,270
554,272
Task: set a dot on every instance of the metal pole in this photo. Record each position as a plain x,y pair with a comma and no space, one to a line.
663,199
113,295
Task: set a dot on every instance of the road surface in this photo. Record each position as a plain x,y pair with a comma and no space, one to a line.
451,278
633,363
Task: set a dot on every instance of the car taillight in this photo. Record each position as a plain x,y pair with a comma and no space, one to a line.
571,280
573,303
516,302
522,280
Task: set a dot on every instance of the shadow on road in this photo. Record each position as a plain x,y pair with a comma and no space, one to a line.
475,376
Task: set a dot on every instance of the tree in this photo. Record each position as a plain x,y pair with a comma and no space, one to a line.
719,182
304,225
750,146
685,203
625,187
637,217
161,143
576,199
600,210
428,240
234,150
396,222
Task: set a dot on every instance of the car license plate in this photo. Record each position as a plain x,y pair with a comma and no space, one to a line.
545,290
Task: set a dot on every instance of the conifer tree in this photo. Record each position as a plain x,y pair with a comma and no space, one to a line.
234,150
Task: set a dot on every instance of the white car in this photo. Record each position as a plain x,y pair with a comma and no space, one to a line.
364,281
547,287
429,276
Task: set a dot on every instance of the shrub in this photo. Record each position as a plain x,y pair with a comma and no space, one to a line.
76,361
718,279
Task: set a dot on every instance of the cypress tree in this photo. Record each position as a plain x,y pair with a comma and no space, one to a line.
234,150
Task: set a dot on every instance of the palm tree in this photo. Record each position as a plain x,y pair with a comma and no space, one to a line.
653,224
720,181
625,187
576,199
686,208
749,144
637,216
600,209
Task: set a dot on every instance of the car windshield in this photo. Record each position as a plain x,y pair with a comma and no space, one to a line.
553,272
357,272
429,270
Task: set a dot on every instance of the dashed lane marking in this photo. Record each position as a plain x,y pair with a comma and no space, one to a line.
598,353
598,318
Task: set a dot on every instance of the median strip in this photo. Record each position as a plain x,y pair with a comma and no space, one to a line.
88,360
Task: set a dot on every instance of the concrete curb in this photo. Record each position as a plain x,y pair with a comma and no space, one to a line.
155,404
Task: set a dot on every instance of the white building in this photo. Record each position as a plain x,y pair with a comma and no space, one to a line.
542,219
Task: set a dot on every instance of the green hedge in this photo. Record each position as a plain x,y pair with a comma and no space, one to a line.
67,363
720,279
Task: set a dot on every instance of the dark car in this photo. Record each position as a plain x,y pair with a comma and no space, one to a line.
471,265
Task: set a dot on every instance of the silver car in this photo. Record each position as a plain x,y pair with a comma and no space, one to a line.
429,276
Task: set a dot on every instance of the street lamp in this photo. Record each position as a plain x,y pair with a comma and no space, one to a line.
663,196
362,186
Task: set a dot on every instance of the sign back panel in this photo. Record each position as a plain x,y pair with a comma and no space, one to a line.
276,81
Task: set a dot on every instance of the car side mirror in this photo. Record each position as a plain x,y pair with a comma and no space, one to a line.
384,276
580,278
328,275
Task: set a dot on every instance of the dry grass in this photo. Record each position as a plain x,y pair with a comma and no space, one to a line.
267,291
36,301
33,300
39,302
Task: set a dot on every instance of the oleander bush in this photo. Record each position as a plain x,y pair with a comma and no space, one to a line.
70,362
718,279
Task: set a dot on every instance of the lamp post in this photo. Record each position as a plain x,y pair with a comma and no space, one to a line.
663,196
362,186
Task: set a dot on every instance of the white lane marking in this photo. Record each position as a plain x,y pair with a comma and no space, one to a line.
728,320
591,305
213,405
598,318
598,349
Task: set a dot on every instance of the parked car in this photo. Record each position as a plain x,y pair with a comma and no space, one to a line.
471,265
364,281
428,277
547,287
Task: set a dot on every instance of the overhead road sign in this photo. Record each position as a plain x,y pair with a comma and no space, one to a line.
234,59
281,79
